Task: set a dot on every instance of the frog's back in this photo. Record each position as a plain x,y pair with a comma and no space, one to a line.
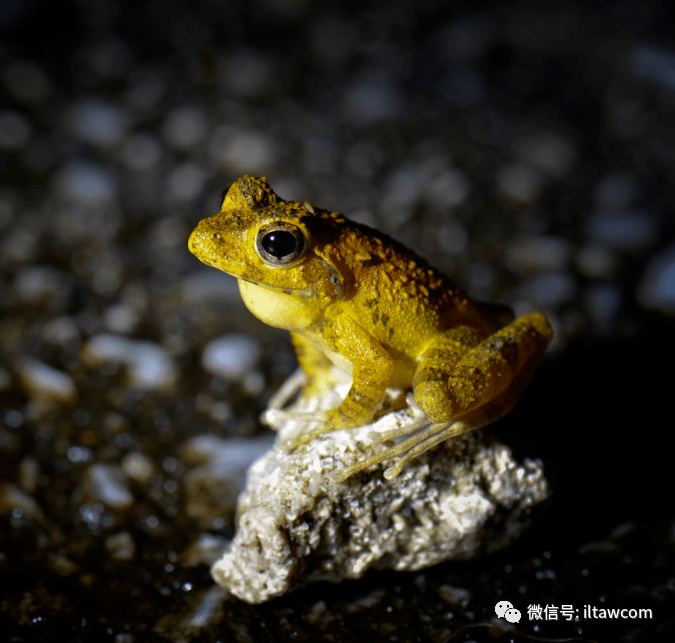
394,290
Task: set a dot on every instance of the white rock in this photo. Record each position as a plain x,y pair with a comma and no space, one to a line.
149,365
137,467
105,483
548,152
14,501
206,550
534,253
184,127
46,384
87,183
98,122
297,525
242,150
121,546
657,287
218,474
518,182
15,131
231,356
632,230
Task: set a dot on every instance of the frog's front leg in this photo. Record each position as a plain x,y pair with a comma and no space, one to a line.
315,364
372,367
485,382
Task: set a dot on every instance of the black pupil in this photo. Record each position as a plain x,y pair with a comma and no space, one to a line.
279,243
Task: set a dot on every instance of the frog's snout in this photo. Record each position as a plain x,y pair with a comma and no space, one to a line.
194,240
203,242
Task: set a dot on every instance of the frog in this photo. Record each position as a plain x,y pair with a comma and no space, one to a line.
356,301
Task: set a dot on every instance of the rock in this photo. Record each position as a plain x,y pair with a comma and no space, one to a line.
297,523
105,483
45,384
217,474
149,365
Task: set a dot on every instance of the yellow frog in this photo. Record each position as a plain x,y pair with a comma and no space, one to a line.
356,299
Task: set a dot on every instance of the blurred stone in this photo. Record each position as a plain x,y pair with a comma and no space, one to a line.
106,483
29,474
121,546
218,474
548,152
231,356
657,287
137,467
15,131
46,384
148,364
519,183
98,122
206,550
537,253
17,503
632,230
242,150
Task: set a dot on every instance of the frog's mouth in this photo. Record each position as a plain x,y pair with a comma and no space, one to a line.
296,292
306,293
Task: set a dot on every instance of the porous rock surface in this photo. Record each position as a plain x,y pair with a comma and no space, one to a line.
297,525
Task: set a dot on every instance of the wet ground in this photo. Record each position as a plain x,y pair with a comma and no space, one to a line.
529,155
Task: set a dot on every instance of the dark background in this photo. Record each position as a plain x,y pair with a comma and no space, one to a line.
529,154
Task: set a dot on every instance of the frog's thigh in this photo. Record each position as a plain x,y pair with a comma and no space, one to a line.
483,372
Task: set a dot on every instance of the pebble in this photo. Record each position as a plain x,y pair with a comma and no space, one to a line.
603,302
217,474
632,230
105,483
26,81
615,192
597,261
36,283
653,65
206,550
243,151
449,189
46,384
550,289
138,467
120,318
547,152
369,101
86,182
121,546
186,181
518,182
538,253
15,502
29,474
656,290
149,365
98,122
15,131
142,152
184,127
231,356
207,285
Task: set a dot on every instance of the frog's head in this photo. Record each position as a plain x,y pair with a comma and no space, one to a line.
262,239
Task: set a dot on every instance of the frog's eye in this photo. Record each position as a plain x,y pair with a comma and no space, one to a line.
280,244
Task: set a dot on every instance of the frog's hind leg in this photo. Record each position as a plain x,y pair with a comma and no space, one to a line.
408,449
485,382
